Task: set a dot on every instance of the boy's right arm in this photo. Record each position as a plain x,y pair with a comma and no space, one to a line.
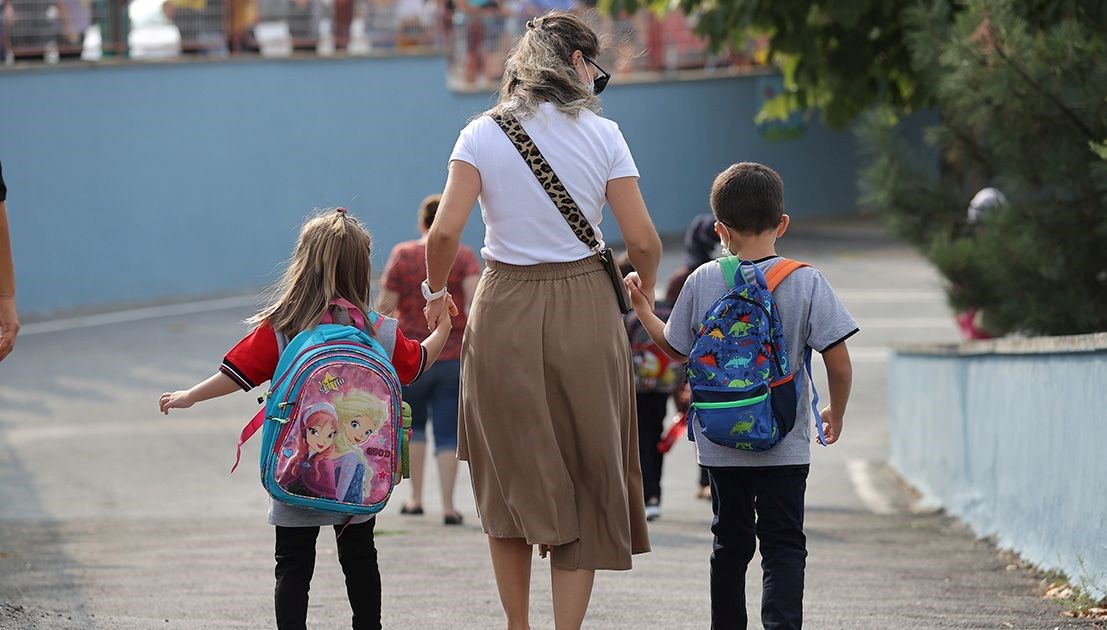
216,385
650,321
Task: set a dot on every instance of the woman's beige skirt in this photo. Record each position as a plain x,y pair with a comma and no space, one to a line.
547,414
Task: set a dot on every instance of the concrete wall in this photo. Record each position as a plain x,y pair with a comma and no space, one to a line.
1009,437
137,183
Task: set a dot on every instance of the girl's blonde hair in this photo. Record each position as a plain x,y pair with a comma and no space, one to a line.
351,405
331,260
356,404
539,67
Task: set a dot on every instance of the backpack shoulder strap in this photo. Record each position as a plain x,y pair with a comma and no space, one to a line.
782,270
730,266
385,332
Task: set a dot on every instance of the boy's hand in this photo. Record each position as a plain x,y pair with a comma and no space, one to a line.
638,297
832,425
179,399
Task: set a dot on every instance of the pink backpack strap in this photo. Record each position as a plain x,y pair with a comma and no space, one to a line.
355,313
248,431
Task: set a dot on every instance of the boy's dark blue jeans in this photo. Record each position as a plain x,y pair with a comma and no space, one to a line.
758,504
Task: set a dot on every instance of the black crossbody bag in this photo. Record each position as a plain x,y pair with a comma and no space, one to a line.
564,202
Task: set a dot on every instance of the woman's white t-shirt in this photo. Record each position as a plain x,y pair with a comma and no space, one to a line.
522,224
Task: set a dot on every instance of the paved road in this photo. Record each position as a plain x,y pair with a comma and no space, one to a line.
114,517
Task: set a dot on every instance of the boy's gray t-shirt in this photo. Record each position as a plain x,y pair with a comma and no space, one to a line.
812,316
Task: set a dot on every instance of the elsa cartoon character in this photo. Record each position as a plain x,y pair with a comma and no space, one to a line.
310,466
359,415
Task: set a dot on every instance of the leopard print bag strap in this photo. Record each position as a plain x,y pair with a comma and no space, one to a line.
549,180
564,203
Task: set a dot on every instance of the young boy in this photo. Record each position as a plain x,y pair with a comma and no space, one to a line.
758,496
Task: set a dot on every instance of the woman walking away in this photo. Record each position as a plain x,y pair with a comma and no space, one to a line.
547,415
435,393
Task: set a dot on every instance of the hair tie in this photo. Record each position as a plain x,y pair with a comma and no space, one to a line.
340,210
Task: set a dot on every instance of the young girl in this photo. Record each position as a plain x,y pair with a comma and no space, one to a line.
331,261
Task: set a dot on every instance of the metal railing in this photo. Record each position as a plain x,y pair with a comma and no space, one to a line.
476,37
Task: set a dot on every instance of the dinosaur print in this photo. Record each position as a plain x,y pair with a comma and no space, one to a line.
739,383
742,427
738,362
739,329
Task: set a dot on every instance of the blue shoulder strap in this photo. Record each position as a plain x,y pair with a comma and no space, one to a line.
814,395
737,271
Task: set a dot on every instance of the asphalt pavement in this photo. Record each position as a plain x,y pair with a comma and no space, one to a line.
115,517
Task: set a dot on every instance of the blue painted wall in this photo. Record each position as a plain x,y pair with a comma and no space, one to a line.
136,183
1012,445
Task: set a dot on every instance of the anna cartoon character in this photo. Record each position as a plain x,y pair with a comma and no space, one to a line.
309,466
360,414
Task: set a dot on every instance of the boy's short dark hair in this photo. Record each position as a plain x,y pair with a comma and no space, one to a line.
428,209
748,197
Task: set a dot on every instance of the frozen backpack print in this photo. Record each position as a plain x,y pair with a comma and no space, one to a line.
743,392
334,430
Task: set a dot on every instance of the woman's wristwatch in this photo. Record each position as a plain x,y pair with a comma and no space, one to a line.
429,295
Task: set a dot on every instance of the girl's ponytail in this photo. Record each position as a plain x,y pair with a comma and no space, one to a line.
332,260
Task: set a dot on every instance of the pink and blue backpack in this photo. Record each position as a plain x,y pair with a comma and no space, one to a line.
334,429
743,392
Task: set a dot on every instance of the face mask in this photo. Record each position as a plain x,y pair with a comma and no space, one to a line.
599,81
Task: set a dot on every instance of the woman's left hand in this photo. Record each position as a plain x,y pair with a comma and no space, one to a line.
436,308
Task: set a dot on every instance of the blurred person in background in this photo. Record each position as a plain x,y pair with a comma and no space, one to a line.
700,246
243,17
656,378
9,319
479,27
983,203
436,392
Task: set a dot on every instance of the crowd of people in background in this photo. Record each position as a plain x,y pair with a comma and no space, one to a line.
475,34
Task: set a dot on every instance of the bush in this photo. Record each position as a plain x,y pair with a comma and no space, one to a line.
1022,93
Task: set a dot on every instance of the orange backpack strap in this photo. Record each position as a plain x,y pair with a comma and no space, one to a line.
782,270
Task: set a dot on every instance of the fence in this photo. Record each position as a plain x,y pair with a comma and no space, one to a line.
62,30
476,40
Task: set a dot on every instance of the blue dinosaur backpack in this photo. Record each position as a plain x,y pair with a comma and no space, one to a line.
743,392
334,429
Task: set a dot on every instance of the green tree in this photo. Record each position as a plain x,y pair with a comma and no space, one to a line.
839,57
1022,92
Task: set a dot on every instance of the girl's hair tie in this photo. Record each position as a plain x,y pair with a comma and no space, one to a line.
340,210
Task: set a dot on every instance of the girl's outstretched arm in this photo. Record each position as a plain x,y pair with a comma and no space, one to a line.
216,385
434,343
